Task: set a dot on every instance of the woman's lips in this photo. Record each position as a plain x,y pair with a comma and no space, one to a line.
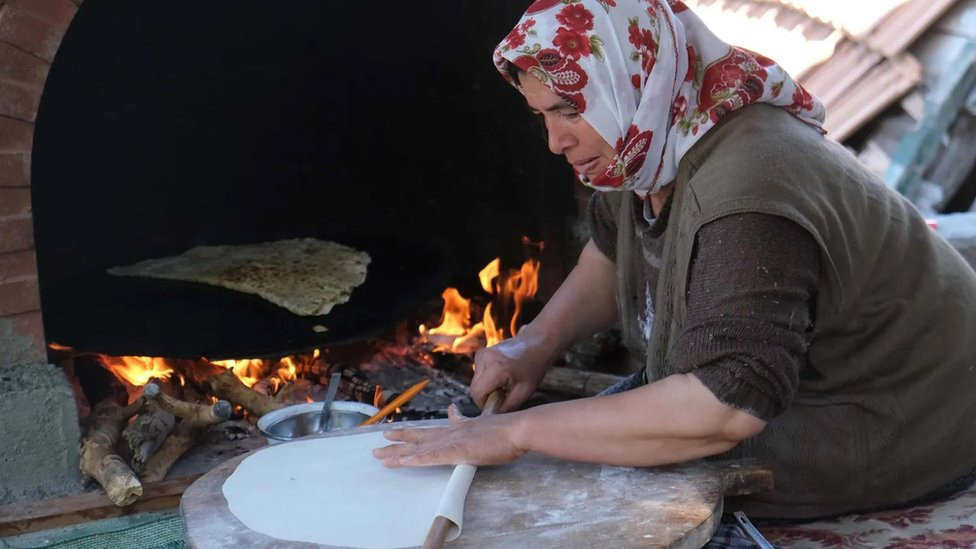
588,167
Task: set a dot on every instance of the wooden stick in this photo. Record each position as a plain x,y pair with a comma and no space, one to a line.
99,459
396,403
185,436
441,527
197,414
144,435
34,516
571,381
226,385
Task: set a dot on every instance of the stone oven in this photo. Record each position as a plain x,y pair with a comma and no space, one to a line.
138,130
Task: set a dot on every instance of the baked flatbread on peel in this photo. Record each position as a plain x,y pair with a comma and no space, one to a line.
304,275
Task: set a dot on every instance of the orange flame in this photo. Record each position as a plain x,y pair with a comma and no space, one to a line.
248,370
492,335
489,273
456,317
377,396
521,286
137,370
511,289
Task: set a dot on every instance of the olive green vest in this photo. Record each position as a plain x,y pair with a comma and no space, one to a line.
886,408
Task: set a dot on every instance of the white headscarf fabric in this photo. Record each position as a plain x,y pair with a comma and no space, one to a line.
648,75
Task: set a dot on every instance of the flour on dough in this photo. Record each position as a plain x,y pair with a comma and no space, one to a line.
332,491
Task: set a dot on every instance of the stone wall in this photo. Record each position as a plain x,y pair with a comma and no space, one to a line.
39,431
30,33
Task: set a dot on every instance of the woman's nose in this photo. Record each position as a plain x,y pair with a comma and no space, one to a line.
559,137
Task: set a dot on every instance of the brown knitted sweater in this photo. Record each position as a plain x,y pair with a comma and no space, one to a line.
750,295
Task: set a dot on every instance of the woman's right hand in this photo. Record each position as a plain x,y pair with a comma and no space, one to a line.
516,366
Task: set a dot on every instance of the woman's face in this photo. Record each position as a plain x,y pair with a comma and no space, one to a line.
568,134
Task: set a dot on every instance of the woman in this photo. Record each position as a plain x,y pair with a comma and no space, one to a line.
789,307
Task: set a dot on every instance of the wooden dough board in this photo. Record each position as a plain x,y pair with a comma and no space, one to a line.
533,502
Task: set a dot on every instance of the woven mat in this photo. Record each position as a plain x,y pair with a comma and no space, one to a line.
162,533
948,523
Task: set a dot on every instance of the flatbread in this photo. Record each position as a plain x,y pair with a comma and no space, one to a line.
306,276
332,491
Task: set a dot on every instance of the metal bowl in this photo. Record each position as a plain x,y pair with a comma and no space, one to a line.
292,422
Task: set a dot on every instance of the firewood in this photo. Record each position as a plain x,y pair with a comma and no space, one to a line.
295,392
226,385
186,435
144,435
582,383
197,414
267,385
99,459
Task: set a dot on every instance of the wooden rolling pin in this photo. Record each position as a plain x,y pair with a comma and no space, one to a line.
441,527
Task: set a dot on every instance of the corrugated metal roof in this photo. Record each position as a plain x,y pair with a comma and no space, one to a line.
850,53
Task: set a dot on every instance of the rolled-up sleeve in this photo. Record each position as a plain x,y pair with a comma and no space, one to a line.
751,290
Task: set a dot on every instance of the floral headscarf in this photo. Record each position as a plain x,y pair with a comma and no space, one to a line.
648,75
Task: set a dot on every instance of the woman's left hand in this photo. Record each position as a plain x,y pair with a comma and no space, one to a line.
485,440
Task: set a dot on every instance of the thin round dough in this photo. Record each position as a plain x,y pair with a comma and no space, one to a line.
332,491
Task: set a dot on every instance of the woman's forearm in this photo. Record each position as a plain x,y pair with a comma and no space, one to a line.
672,420
584,304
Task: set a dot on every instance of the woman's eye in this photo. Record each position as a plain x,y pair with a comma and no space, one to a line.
571,115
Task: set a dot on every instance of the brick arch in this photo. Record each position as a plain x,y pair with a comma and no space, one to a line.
30,34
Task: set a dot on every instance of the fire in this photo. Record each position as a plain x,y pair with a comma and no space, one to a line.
510,290
489,273
456,318
377,397
248,370
492,335
137,370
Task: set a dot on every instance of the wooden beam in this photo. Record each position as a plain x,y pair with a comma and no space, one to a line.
22,518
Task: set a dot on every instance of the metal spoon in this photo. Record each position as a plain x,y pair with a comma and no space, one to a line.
329,397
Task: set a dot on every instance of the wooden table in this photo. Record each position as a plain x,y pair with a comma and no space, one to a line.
532,502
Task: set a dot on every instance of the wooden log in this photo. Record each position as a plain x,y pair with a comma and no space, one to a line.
268,385
99,459
144,435
186,435
581,383
34,516
197,414
295,392
226,385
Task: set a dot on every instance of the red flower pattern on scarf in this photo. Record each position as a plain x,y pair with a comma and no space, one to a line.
801,99
692,63
566,77
576,17
677,7
571,44
678,108
643,41
517,37
633,151
731,83
541,5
